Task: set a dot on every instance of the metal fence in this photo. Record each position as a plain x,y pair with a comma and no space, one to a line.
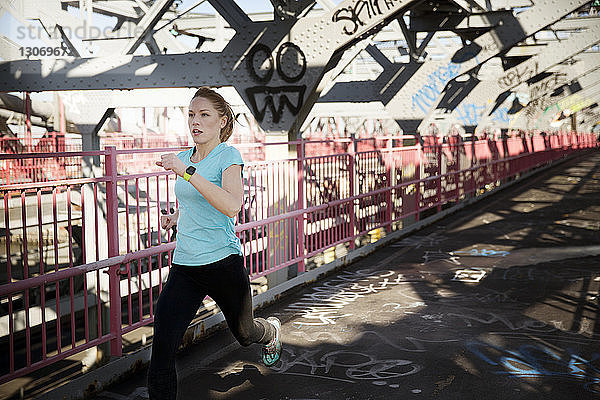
15,170
83,260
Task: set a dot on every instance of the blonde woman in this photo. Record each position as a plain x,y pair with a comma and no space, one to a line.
207,259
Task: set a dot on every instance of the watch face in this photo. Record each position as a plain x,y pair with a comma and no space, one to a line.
190,170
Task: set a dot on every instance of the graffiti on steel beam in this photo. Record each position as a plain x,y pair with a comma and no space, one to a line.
290,64
469,114
537,106
501,116
519,74
549,84
480,52
361,13
425,97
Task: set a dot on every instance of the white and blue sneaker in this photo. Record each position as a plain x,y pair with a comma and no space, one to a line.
272,350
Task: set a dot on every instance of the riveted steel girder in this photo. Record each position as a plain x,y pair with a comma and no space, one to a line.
550,56
433,21
119,9
539,93
553,54
148,22
436,22
479,110
481,103
588,119
275,65
410,90
574,96
568,104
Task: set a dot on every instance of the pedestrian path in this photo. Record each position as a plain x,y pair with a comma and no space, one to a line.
498,301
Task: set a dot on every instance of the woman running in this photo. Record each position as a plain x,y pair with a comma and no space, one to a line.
207,259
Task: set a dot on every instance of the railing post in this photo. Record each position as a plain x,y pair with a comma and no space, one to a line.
474,191
28,122
31,172
351,191
418,168
457,175
388,176
301,206
112,227
439,179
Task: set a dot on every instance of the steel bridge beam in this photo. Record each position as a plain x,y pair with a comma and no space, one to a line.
486,95
410,90
538,92
145,26
276,66
576,95
478,112
494,43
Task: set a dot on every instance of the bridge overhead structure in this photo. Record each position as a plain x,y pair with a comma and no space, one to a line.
537,94
431,88
276,66
280,63
550,108
558,61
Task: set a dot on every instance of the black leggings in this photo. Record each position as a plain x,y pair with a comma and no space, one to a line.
227,283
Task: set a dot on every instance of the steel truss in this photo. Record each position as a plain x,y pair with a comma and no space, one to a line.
280,63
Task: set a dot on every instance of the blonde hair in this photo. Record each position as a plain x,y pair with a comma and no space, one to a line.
222,107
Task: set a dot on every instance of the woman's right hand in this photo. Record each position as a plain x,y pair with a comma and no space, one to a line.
169,220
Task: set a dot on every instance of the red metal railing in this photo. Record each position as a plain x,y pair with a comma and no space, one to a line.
35,169
85,258
14,171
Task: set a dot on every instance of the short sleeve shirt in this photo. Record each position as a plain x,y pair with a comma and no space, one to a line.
204,234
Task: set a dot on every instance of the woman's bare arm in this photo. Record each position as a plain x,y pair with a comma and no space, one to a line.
227,199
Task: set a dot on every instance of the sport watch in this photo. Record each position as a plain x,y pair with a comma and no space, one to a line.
188,173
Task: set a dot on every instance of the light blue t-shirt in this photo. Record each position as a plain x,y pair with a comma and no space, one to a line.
204,234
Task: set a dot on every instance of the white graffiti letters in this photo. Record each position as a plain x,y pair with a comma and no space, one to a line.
323,306
354,365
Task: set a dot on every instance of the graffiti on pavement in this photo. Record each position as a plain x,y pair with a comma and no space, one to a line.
540,361
481,253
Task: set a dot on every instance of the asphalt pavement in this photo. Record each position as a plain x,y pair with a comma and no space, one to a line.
497,301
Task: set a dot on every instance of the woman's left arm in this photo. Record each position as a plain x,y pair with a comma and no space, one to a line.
227,199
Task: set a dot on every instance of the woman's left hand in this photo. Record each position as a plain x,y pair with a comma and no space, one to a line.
171,162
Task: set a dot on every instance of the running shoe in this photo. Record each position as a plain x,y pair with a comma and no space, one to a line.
272,350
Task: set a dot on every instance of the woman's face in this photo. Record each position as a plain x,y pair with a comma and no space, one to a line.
204,121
